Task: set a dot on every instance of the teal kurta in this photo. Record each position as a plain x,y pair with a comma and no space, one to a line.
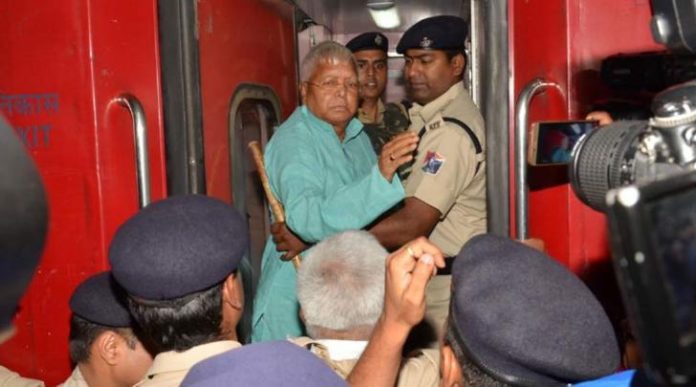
326,187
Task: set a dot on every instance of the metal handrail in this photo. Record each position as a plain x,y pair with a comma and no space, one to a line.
533,88
136,110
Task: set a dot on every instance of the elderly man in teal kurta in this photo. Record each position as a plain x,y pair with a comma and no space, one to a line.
323,169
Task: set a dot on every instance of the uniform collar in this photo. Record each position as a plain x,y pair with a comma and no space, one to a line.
76,378
7,333
172,361
353,128
428,111
365,119
77,374
344,349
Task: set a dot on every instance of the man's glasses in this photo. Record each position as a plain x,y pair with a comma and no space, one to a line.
333,85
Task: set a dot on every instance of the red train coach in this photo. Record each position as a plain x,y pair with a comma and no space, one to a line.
124,102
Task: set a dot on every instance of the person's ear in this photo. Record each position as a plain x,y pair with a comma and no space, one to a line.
450,370
107,347
458,64
303,92
232,291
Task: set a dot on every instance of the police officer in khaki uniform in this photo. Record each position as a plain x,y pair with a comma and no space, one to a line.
446,188
177,259
446,185
103,345
544,327
380,121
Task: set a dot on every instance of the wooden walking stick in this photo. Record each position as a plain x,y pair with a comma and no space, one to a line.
276,207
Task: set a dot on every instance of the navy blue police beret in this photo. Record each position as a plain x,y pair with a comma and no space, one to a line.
273,363
368,41
436,33
524,318
101,300
178,246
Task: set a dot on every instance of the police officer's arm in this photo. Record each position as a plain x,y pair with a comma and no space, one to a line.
408,271
416,218
445,166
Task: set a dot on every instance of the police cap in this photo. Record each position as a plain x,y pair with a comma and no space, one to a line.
368,41
178,246
101,300
436,33
273,363
524,318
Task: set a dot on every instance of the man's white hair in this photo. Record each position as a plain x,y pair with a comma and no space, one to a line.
328,51
340,285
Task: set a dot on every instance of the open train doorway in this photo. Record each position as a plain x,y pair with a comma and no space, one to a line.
254,113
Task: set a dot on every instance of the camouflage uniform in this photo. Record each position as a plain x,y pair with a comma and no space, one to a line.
391,120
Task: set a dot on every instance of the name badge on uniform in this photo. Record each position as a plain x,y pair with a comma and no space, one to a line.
432,163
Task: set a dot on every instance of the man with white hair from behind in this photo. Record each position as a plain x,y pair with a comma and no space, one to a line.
340,287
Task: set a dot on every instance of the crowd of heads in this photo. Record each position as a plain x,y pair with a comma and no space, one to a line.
511,305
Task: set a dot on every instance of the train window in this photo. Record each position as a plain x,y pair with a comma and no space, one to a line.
254,113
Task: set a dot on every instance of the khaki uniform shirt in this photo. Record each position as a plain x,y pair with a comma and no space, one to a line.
75,380
444,173
12,379
170,368
391,120
419,369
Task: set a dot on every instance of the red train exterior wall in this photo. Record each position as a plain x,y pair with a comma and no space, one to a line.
241,42
564,42
85,53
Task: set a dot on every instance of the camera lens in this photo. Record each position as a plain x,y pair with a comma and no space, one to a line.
603,160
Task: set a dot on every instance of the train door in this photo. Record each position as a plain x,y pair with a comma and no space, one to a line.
79,82
556,49
555,53
123,102
248,85
254,113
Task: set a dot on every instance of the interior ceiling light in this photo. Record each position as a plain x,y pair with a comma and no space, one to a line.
384,13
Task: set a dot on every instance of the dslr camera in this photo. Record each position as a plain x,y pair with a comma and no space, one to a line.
642,174
637,152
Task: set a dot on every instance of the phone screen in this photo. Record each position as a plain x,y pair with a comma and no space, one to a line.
553,141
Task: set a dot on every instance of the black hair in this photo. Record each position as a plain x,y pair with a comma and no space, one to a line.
472,374
83,333
454,52
451,54
182,323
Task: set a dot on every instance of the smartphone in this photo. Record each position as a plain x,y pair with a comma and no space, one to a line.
551,142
